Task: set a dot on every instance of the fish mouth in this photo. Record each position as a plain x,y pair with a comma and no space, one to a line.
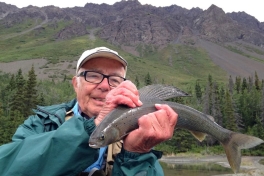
93,145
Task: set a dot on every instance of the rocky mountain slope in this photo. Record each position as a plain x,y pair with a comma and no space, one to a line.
234,41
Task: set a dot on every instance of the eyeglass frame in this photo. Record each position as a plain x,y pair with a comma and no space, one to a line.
84,73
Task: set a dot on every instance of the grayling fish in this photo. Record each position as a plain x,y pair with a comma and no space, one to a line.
122,120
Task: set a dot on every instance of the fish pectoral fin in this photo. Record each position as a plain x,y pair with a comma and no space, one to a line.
198,135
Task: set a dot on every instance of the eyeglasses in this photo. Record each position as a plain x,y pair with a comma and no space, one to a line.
97,78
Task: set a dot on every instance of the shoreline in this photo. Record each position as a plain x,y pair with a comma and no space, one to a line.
250,165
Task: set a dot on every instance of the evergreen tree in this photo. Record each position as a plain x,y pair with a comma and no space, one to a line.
216,107
258,131
206,100
254,106
9,126
229,113
244,85
243,110
12,83
240,123
182,140
7,94
137,82
222,101
148,80
18,101
198,91
231,85
250,107
262,107
238,84
215,111
250,83
257,86
30,95
1,110
41,100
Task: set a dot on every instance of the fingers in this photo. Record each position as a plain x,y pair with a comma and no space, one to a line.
161,123
172,116
126,93
154,128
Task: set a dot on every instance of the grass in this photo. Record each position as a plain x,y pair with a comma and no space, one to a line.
251,49
19,27
236,50
178,65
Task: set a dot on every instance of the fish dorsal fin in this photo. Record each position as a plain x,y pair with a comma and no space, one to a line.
160,92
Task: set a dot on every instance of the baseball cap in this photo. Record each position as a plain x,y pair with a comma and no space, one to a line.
100,52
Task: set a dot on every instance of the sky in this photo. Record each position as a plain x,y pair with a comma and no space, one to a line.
251,7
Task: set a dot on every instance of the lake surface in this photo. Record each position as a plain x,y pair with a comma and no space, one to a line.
194,169
207,165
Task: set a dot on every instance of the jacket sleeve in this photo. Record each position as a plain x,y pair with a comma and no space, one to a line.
147,164
63,151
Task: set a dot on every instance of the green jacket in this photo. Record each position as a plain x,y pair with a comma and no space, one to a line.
47,145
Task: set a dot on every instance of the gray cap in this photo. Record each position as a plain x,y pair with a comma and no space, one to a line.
100,52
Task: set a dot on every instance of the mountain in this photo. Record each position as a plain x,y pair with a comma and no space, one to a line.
171,39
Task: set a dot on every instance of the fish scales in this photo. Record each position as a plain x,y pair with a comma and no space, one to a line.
125,120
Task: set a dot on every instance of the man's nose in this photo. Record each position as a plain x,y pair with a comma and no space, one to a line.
105,83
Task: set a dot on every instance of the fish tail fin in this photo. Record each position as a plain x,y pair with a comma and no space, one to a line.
233,146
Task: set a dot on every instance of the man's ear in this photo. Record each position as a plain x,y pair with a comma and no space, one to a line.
75,83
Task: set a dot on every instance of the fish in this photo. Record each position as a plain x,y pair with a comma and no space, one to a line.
122,120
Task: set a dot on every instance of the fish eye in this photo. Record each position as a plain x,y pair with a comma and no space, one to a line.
102,137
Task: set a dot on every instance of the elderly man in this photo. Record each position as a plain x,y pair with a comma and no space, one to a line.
54,141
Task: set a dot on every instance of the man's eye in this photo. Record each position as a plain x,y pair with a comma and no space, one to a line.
92,76
114,80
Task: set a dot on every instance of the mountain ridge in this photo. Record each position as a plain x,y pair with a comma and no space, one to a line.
142,30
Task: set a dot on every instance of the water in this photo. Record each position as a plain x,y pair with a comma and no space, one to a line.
195,169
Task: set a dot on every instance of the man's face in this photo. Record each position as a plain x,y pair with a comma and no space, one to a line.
91,96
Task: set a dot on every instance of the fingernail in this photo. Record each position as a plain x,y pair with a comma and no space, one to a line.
157,105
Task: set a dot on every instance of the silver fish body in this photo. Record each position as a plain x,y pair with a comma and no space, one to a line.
123,120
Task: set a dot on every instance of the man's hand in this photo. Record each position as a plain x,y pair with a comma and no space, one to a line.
154,128
126,93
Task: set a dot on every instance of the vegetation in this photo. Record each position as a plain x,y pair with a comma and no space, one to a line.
238,106
241,52
20,95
